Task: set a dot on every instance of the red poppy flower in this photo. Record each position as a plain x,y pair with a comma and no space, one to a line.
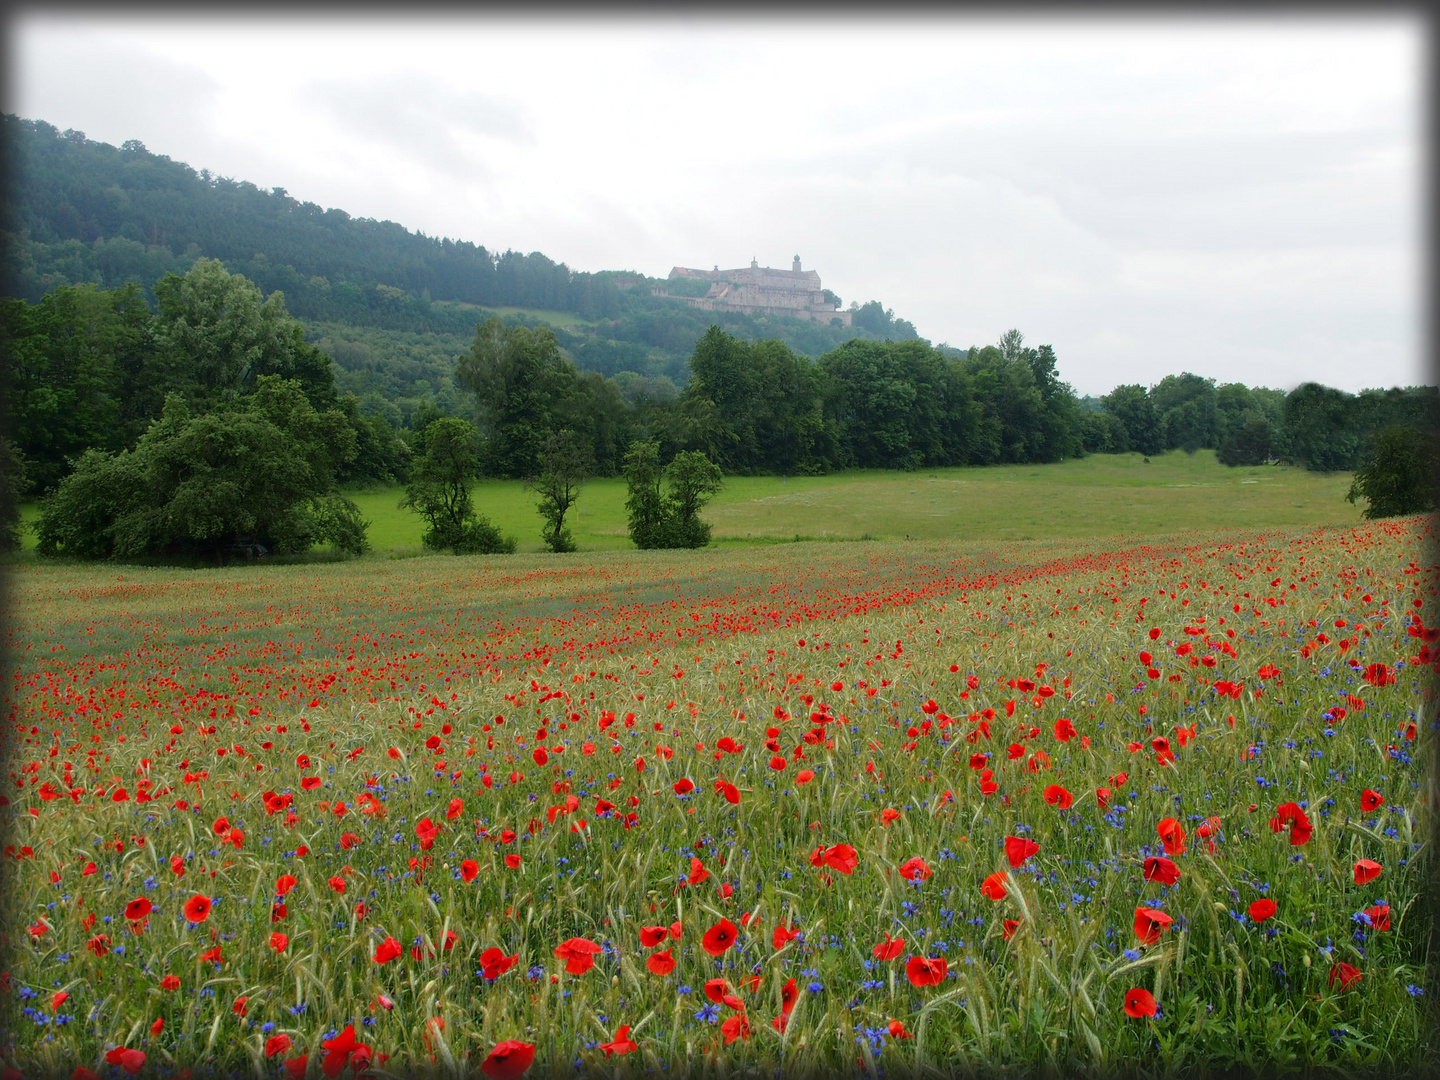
1139,1003
889,949
1056,795
1008,928
469,870
279,942
1370,801
789,994
132,1061
718,991
508,1060
888,815
719,937
137,909
661,963
512,862
1018,849
578,953
283,884
1172,834
170,982
782,936
842,857
1158,868
1379,916
1346,975
683,786
337,884
310,783
1260,910
804,776
925,970
736,1027
197,908
1064,730
994,886
897,1030
1378,675
698,873
650,936
1149,923
296,1066
340,1049
1366,871
277,1044
1299,822
494,962
621,1044
387,950
915,869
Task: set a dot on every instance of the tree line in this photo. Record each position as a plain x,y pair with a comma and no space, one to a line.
148,429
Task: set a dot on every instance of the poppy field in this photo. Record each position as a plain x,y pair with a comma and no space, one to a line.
930,808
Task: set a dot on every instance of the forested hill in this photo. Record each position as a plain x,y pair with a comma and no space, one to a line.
85,211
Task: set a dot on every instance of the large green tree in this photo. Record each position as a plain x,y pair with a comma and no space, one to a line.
1399,475
256,472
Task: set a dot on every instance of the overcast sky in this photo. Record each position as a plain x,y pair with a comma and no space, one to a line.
1240,198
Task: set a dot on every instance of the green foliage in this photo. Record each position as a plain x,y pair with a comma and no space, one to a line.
439,491
1400,476
79,369
1319,428
13,484
644,503
1131,405
526,390
254,471
693,480
565,463
881,322
1248,445
669,520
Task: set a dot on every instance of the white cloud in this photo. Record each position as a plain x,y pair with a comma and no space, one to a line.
1239,196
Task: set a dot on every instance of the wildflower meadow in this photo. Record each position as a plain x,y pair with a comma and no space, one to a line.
931,808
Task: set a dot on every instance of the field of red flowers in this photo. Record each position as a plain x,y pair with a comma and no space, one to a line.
858,807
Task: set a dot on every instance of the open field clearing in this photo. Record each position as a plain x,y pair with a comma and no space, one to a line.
1092,807
1101,495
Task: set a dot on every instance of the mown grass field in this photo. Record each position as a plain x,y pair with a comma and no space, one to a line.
1099,496
428,775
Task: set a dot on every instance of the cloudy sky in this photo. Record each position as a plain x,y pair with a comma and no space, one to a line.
1240,198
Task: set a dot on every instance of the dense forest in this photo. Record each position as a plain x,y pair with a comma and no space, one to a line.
115,379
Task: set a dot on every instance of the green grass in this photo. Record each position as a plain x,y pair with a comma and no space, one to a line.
1098,496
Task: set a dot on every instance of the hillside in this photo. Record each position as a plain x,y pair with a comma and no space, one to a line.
85,211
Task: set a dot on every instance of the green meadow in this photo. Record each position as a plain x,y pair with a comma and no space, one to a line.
1098,496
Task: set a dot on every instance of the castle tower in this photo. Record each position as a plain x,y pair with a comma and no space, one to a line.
754,263
796,267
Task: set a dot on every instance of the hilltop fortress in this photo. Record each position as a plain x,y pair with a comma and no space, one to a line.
757,290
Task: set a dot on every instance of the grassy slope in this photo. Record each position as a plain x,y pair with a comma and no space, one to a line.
1102,495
